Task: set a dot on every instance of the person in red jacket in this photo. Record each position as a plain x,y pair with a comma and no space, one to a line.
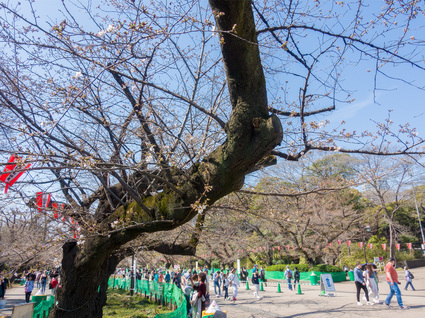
54,282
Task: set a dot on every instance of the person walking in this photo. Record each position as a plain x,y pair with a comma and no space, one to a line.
256,282
43,282
263,276
29,286
408,276
296,277
360,283
37,279
217,283
226,287
234,282
288,275
372,283
392,280
54,283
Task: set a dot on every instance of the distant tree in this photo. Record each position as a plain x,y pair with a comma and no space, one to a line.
385,180
28,240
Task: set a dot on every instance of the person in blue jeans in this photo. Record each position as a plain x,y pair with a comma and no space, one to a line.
217,283
392,280
288,275
408,276
43,282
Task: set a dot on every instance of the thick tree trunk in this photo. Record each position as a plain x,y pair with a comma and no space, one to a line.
251,135
84,282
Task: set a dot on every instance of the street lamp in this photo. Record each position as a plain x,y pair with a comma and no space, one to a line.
367,229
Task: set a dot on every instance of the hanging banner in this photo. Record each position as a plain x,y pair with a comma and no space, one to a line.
370,245
12,172
384,246
397,246
43,200
348,242
409,245
279,247
330,244
55,209
360,244
339,242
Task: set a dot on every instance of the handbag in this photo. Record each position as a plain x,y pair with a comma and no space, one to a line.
194,299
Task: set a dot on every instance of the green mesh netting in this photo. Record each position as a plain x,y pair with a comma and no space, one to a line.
43,308
168,291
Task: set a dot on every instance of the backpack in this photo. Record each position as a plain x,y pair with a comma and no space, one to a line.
411,275
289,274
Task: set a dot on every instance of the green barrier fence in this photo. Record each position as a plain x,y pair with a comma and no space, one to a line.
304,276
278,275
43,308
168,292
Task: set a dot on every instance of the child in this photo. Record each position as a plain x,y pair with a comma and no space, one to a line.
226,287
408,276
29,286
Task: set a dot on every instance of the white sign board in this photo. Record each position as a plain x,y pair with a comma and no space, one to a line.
327,284
238,262
176,267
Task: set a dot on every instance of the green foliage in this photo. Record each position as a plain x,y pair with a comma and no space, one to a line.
375,239
336,166
215,264
325,268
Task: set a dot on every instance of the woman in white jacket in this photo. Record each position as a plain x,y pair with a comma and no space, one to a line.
372,283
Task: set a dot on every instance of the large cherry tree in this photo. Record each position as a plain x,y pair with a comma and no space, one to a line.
141,114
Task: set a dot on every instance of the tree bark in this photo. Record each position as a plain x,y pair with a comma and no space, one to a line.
251,135
84,282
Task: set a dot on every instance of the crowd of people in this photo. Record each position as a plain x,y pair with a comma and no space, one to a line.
366,279
39,280
195,284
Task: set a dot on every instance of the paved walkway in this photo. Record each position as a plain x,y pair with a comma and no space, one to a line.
290,305
310,304
14,296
